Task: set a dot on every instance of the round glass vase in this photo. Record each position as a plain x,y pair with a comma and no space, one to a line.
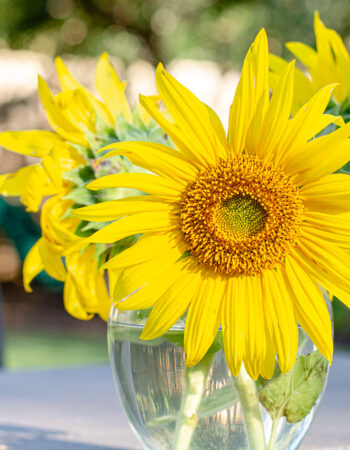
171,406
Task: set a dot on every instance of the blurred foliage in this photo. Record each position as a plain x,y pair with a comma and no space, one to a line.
341,321
218,30
53,349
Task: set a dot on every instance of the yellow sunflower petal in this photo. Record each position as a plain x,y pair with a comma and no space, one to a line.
111,89
37,186
204,317
252,89
89,282
306,54
32,142
338,224
72,300
255,336
277,115
280,318
327,258
152,184
56,117
172,130
137,223
13,184
68,82
307,123
310,307
146,248
342,59
156,158
341,240
319,272
31,183
52,261
200,124
303,88
171,305
103,300
314,159
134,277
111,210
325,58
32,266
234,324
268,364
150,294
330,194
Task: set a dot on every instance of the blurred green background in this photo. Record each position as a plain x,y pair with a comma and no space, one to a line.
157,30
38,331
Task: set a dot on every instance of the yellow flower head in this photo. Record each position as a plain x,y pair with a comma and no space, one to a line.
329,63
74,116
236,232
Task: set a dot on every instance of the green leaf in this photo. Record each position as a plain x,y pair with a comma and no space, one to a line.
80,175
161,421
294,394
219,400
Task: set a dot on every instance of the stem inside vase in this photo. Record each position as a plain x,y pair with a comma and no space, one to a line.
187,417
248,395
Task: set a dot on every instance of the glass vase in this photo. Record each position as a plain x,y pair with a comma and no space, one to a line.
170,406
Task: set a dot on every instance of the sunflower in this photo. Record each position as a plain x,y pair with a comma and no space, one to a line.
329,63
81,124
237,232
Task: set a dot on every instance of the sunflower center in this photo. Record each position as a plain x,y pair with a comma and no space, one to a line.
241,216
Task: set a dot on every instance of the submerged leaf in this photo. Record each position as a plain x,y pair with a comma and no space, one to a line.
294,394
219,400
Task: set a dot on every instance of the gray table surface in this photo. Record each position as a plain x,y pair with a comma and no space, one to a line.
78,409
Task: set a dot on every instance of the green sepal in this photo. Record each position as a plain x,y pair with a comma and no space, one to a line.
100,254
294,394
122,245
80,175
82,196
103,130
139,131
94,226
79,230
85,152
345,169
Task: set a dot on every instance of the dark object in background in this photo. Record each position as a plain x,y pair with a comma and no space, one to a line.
1,332
21,229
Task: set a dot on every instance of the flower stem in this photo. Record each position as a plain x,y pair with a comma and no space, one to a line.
187,418
273,434
248,396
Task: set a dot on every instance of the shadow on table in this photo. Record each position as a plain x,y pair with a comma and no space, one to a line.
28,438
